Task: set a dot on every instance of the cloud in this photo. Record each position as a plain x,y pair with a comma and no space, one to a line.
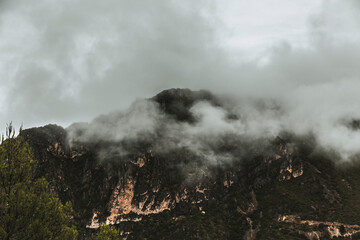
68,61
140,118
214,136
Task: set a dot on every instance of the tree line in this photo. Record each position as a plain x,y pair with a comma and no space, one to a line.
28,209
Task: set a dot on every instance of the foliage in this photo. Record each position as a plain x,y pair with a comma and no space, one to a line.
28,210
106,232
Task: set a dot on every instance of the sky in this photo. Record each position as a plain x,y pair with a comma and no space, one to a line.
72,60
66,61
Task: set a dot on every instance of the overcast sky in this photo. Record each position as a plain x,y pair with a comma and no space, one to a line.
65,61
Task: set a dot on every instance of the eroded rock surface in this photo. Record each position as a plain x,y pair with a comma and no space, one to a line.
287,188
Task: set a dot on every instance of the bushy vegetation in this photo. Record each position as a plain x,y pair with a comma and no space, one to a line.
28,210
106,232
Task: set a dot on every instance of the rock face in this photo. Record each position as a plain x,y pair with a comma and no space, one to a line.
287,189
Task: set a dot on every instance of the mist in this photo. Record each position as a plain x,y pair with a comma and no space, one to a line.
70,61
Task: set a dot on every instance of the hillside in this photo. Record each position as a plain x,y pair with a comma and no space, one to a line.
285,187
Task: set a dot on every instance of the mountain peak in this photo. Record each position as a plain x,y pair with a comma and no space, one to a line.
177,102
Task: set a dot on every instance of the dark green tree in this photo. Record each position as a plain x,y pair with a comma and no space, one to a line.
28,210
106,232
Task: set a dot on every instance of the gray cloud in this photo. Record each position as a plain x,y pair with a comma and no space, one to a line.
69,61
214,137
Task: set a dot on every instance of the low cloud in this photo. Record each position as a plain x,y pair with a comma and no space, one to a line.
68,61
215,132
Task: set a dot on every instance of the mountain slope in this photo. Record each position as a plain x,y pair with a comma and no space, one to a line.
281,188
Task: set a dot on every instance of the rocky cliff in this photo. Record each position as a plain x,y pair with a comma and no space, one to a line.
280,188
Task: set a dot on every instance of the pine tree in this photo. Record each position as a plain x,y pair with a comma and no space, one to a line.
28,210
106,232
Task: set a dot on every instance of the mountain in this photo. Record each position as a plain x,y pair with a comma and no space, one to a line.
285,187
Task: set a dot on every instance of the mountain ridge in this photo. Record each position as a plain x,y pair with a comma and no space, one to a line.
273,191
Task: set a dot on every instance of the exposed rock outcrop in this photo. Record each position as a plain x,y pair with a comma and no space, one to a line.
264,194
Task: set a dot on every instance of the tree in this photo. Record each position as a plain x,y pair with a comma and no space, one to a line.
106,232
28,210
